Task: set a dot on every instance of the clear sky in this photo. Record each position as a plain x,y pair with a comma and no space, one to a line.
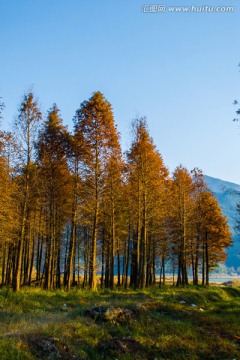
180,70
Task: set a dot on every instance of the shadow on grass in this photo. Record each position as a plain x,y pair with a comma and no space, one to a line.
233,292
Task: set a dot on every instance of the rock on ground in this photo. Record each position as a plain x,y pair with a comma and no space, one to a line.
110,313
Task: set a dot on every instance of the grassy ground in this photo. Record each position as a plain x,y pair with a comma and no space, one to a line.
168,323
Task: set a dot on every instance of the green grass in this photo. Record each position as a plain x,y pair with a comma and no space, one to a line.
162,326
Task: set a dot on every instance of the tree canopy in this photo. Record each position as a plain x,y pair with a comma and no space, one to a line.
75,210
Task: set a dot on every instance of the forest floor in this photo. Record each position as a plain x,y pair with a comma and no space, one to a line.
167,323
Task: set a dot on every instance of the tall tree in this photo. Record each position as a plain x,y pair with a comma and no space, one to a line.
181,208
9,219
196,221
147,176
216,236
54,175
111,214
26,132
75,160
94,120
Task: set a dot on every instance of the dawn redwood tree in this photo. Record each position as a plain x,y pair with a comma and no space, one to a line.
127,229
198,230
75,155
216,235
26,132
147,180
94,120
6,186
111,212
8,214
181,204
162,245
197,221
55,192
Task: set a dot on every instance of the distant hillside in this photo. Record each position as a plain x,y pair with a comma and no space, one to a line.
228,195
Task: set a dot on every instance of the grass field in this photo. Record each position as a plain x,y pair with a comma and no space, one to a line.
168,323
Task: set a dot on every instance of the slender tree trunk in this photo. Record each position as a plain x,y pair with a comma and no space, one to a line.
112,246
203,265
31,263
107,267
71,248
207,259
128,255
86,256
93,260
179,276
144,245
92,274
119,266
160,276
4,264
103,257
17,272
163,267
196,262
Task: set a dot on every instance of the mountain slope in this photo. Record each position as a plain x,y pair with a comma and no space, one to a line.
228,195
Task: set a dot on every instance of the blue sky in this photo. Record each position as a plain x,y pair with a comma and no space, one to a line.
177,69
